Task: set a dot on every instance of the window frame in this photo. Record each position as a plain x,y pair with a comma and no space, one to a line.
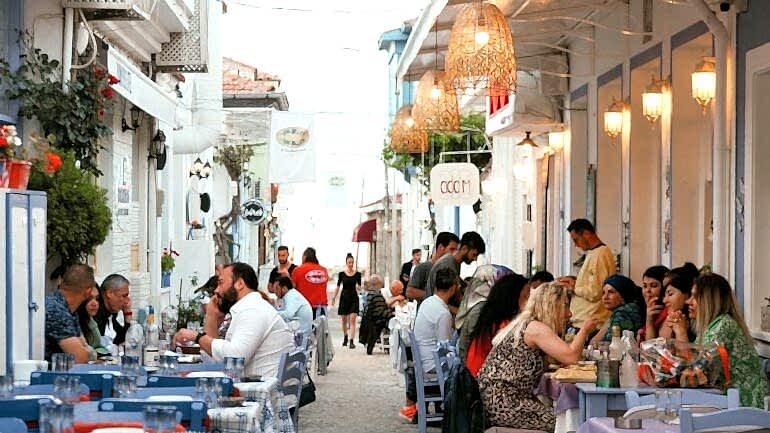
13,23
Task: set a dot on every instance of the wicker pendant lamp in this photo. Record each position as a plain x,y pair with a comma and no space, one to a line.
481,57
406,135
435,107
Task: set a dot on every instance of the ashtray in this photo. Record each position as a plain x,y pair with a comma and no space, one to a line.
626,423
231,401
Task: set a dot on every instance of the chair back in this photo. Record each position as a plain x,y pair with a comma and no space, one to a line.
444,357
12,425
100,384
291,370
28,410
742,416
692,397
179,381
421,383
192,412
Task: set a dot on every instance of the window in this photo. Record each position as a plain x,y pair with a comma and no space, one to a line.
10,23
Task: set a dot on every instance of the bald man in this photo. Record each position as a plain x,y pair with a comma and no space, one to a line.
378,311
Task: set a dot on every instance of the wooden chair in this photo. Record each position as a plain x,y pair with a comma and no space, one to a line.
692,397
742,416
192,412
422,383
12,425
291,371
100,384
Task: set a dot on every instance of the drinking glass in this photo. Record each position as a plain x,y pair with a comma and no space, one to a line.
661,403
48,420
73,389
674,404
201,388
60,384
58,362
66,417
230,366
150,419
166,419
6,387
173,365
240,365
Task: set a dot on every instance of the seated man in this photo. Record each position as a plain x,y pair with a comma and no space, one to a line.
295,307
256,333
433,324
114,303
378,310
62,327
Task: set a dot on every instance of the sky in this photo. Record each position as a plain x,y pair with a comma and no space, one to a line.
327,56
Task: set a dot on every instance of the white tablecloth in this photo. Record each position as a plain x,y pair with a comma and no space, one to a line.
266,411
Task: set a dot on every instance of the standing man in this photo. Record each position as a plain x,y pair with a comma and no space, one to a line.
446,242
256,333
598,265
311,280
406,268
114,304
285,267
471,245
62,328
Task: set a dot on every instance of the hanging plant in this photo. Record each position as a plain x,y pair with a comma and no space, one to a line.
75,119
235,159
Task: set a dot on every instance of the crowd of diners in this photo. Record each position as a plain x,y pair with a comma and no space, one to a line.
511,327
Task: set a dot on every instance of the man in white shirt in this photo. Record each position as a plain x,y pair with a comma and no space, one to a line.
256,333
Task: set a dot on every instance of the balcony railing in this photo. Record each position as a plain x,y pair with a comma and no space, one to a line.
113,9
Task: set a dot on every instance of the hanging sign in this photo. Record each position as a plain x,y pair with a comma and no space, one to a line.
253,211
454,183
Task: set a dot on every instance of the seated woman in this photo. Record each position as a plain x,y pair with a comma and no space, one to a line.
505,301
86,313
652,291
516,362
623,298
474,300
678,291
712,305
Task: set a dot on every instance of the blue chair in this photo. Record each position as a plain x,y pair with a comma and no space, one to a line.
743,416
44,390
12,425
291,371
100,384
444,357
422,383
178,382
690,396
28,410
192,412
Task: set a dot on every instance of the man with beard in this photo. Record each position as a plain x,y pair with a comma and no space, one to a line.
62,329
256,333
285,267
471,245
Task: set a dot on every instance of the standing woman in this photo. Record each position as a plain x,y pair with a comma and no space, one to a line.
350,280
717,320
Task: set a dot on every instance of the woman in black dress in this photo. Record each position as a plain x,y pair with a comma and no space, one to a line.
350,280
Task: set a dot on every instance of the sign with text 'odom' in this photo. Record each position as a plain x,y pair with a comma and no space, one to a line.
454,183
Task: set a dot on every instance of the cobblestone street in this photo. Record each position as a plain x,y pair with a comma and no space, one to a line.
359,393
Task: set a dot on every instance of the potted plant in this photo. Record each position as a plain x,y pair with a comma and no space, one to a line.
167,263
196,230
765,325
16,162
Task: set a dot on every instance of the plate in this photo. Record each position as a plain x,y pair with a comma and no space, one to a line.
169,398
31,396
112,372
118,430
206,374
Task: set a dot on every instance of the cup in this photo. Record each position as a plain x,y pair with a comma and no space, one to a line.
6,387
661,403
166,419
48,420
150,419
59,362
674,404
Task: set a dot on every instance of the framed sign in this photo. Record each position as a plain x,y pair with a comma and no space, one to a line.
454,184
254,211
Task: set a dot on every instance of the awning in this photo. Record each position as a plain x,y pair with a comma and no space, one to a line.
364,232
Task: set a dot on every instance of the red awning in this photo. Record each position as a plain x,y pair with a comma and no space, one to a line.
364,232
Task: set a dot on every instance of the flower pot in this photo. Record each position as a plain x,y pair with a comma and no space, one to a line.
196,234
14,174
765,325
165,279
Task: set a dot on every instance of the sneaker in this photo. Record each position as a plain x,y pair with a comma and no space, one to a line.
345,341
408,413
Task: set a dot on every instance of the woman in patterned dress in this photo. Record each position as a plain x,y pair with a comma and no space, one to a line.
717,320
516,363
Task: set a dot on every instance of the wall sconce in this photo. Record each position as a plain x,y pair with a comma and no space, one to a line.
613,118
527,141
704,81
134,112
157,149
201,170
652,99
556,140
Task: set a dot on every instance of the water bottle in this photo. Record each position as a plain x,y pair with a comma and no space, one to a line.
616,347
134,338
629,372
151,340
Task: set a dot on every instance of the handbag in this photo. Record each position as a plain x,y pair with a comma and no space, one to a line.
307,395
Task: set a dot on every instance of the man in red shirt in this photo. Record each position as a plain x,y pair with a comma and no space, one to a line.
311,280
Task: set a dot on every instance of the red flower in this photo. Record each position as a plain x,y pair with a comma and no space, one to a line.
99,72
113,79
107,92
3,141
54,162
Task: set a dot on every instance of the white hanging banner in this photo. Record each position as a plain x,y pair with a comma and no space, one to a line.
292,148
454,183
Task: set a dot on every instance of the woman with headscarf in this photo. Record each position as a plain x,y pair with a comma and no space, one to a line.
624,299
506,299
475,297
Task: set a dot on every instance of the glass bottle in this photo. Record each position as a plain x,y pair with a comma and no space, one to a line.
616,346
151,338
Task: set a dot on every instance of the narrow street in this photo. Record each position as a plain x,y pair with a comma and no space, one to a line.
360,393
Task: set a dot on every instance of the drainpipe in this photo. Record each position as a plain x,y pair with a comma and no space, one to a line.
725,56
69,25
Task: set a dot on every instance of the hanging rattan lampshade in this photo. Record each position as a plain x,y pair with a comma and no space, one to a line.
406,135
435,108
481,57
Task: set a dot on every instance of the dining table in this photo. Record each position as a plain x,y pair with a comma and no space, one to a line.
265,410
650,425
